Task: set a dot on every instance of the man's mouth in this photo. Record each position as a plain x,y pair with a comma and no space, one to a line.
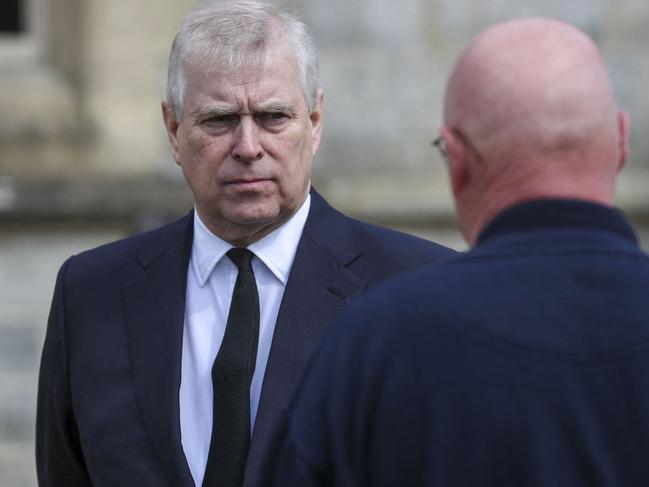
248,183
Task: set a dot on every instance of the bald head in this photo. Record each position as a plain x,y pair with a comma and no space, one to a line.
532,101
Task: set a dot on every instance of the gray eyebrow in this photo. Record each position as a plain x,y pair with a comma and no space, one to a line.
224,110
275,106
214,111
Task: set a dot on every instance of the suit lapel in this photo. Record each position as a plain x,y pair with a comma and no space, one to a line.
318,289
155,308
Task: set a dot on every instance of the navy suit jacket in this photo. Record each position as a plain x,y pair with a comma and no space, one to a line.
108,405
524,362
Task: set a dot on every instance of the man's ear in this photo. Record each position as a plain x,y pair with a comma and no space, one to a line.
171,124
458,162
316,121
623,137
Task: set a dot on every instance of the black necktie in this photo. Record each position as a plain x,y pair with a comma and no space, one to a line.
231,376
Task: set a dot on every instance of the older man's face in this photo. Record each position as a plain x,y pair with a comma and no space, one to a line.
245,142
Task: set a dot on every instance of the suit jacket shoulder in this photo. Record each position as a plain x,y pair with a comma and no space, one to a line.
374,252
141,249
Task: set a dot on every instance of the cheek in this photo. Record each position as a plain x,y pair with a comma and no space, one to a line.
297,146
196,145
202,153
299,174
294,153
202,160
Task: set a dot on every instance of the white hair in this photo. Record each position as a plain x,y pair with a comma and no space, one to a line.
231,34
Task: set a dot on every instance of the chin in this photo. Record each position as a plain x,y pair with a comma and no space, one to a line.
256,217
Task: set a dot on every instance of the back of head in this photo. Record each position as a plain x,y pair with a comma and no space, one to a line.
533,98
228,35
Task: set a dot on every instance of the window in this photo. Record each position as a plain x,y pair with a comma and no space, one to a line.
20,31
12,19
36,39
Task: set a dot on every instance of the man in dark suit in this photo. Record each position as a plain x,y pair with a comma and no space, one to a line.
523,362
167,351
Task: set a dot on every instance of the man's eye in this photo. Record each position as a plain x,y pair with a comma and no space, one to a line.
271,117
222,119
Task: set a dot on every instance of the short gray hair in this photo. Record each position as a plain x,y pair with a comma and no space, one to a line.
230,33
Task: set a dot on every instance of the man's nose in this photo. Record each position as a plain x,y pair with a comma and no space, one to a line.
247,146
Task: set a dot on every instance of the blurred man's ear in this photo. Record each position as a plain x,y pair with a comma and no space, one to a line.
458,163
623,137
171,124
316,121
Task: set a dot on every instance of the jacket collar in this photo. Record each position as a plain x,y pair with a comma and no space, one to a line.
555,214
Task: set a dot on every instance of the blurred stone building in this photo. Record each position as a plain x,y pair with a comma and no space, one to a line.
84,157
81,82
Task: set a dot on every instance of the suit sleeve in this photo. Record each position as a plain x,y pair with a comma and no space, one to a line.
59,459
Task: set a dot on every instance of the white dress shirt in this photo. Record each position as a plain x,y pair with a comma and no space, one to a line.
210,281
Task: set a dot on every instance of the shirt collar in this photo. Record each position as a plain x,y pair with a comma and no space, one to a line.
276,250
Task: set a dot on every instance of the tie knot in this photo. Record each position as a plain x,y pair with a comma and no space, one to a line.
241,258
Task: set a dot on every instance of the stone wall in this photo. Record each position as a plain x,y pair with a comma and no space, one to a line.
85,114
